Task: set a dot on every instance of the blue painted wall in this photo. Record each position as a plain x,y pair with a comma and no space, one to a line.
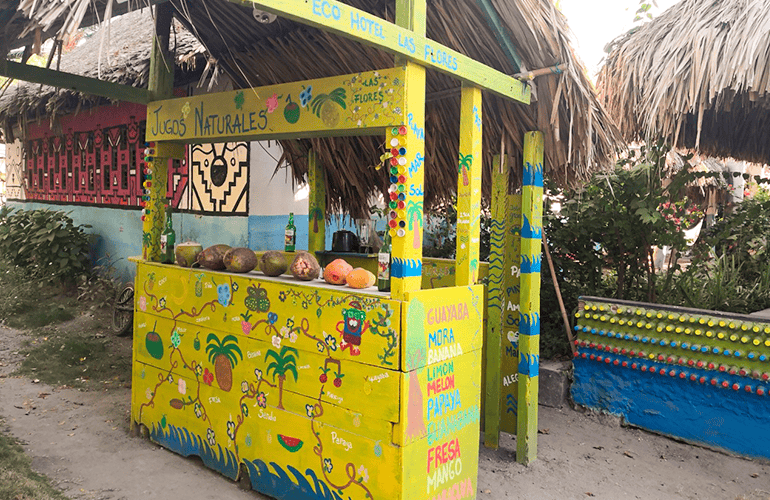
733,420
120,231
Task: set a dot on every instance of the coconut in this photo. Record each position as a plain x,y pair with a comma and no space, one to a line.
240,260
187,253
213,257
273,263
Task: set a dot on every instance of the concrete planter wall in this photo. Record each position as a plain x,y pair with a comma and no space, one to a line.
702,376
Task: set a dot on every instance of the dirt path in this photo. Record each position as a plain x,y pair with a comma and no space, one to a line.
81,441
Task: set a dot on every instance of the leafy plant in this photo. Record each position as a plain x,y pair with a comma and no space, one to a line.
44,243
285,362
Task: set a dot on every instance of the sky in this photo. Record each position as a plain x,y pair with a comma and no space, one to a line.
595,23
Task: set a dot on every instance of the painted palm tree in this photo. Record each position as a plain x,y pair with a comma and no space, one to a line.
224,356
285,362
414,214
466,161
316,214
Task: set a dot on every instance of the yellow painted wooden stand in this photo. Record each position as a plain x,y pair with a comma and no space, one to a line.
307,390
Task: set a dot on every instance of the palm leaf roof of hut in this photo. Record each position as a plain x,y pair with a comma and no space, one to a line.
697,76
579,137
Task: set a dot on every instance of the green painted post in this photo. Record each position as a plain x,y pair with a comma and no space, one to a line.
529,323
317,204
495,301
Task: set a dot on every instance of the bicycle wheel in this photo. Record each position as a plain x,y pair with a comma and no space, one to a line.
123,311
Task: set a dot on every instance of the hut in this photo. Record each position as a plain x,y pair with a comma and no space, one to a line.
697,76
513,37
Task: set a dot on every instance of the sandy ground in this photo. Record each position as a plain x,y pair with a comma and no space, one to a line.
81,441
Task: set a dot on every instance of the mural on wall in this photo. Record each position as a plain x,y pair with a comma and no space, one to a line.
219,180
99,160
14,188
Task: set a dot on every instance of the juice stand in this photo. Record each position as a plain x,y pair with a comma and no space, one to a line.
305,389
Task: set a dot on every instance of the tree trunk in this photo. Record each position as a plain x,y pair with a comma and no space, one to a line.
281,378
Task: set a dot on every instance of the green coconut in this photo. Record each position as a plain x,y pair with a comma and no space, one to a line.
187,253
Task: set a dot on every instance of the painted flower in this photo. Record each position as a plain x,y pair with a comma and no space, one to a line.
148,393
277,341
285,332
306,96
282,296
208,377
304,304
182,386
293,337
290,323
198,369
170,378
176,339
320,346
364,473
163,302
309,410
231,430
211,437
262,400
235,286
272,103
328,464
385,104
272,318
186,109
397,110
198,409
258,373
143,303
396,81
244,387
332,343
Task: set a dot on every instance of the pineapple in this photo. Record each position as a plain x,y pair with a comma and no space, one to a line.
326,106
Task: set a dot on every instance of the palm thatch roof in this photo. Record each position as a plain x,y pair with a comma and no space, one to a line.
698,76
579,137
119,53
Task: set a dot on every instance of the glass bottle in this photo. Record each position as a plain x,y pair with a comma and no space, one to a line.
290,235
168,239
383,264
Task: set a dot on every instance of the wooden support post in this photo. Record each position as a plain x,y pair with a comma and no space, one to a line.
317,204
529,323
469,188
409,141
161,86
495,303
510,313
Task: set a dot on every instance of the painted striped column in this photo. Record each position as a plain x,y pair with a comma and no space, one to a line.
316,204
529,323
469,187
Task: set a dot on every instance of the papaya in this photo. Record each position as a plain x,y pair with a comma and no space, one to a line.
360,278
336,270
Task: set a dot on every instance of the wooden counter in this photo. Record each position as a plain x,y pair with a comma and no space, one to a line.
315,391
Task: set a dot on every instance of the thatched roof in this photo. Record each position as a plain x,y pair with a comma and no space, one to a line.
698,76
578,135
122,56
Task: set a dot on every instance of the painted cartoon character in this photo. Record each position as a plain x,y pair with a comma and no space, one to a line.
352,326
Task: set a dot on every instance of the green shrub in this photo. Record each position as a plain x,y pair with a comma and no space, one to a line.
44,243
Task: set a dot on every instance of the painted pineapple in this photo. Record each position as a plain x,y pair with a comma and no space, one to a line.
326,106
199,286
257,299
224,356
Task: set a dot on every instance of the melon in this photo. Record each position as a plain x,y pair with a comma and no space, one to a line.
360,278
305,267
291,444
240,260
336,271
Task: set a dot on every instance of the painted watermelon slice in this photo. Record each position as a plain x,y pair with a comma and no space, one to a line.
291,444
